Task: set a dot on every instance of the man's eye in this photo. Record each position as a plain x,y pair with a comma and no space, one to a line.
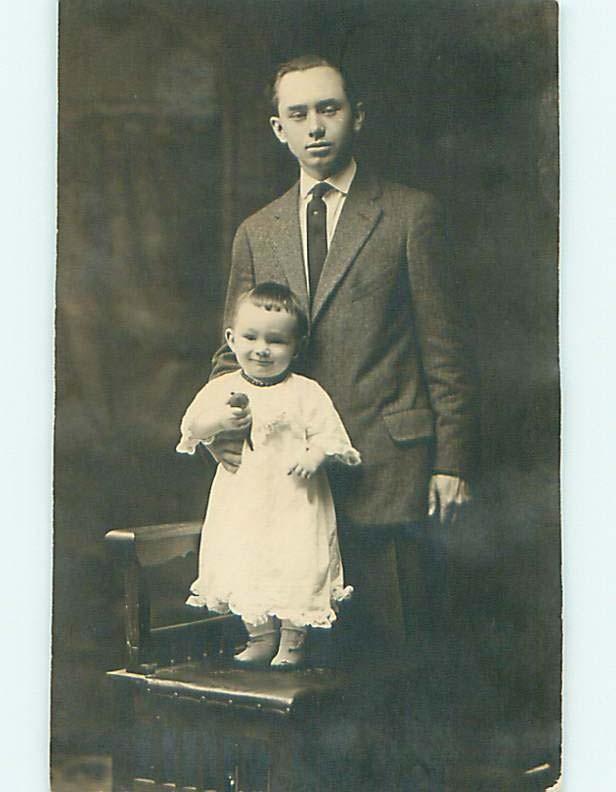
330,110
297,116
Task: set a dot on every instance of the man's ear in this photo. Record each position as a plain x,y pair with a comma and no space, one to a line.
277,128
359,116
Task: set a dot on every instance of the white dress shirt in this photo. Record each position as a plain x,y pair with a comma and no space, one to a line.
334,202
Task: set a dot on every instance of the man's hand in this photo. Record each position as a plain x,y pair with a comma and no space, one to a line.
227,450
447,497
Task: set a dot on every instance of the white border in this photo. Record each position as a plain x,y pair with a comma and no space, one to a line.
27,208
588,301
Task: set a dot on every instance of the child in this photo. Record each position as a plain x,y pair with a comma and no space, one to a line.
269,549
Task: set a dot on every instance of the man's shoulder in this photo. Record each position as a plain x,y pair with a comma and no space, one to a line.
409,205
273,209
403,193
394,195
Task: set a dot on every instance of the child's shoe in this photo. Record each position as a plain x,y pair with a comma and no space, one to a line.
291,650
261,646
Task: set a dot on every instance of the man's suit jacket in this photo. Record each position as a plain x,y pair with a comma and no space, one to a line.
385,340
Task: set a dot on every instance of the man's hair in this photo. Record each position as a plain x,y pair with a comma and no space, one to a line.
303,63
276,297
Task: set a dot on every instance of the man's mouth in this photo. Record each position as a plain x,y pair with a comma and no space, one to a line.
318,145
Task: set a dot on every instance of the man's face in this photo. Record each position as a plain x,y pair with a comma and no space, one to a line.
315,119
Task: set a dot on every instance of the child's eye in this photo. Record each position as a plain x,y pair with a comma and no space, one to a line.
249,337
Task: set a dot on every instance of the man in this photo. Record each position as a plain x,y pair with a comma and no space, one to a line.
385,339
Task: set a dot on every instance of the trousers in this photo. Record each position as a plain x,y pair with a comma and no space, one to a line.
400,581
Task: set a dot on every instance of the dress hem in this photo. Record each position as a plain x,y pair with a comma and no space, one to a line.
320,619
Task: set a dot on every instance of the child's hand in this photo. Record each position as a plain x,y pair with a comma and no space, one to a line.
223,417
241,400
308,463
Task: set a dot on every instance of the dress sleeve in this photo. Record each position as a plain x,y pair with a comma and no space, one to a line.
194,417
324,427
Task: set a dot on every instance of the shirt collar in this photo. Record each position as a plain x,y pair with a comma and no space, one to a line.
340,181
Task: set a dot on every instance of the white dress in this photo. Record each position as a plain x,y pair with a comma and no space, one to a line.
269,545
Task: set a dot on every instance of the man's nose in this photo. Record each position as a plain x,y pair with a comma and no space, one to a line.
316,129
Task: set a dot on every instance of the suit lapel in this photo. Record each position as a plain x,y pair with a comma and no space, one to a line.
359,216
287,244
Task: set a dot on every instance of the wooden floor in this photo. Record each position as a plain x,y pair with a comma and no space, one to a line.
93,774
81,774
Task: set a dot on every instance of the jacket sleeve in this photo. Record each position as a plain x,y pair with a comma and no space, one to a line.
241,279
442,336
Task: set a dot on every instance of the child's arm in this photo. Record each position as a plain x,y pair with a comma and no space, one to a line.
206,417
326,436
227,419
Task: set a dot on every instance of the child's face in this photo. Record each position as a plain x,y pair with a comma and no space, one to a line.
264,342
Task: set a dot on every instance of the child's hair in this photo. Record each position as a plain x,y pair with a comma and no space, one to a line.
276,297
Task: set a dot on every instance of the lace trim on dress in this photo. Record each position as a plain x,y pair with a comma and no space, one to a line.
349,456
187,445
321,619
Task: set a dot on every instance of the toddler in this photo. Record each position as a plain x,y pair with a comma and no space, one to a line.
269,548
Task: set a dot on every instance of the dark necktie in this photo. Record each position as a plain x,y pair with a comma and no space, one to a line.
316,230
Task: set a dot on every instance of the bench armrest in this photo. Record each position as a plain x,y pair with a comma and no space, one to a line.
155,544
137,550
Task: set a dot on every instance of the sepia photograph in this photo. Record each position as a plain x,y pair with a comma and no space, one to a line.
307,528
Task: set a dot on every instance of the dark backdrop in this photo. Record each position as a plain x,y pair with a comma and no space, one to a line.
164,149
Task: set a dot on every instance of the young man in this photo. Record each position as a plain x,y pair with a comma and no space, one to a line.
367,260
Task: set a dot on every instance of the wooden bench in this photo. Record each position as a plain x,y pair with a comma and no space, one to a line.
186,719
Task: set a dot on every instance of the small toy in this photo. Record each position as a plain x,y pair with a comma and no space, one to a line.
240,400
